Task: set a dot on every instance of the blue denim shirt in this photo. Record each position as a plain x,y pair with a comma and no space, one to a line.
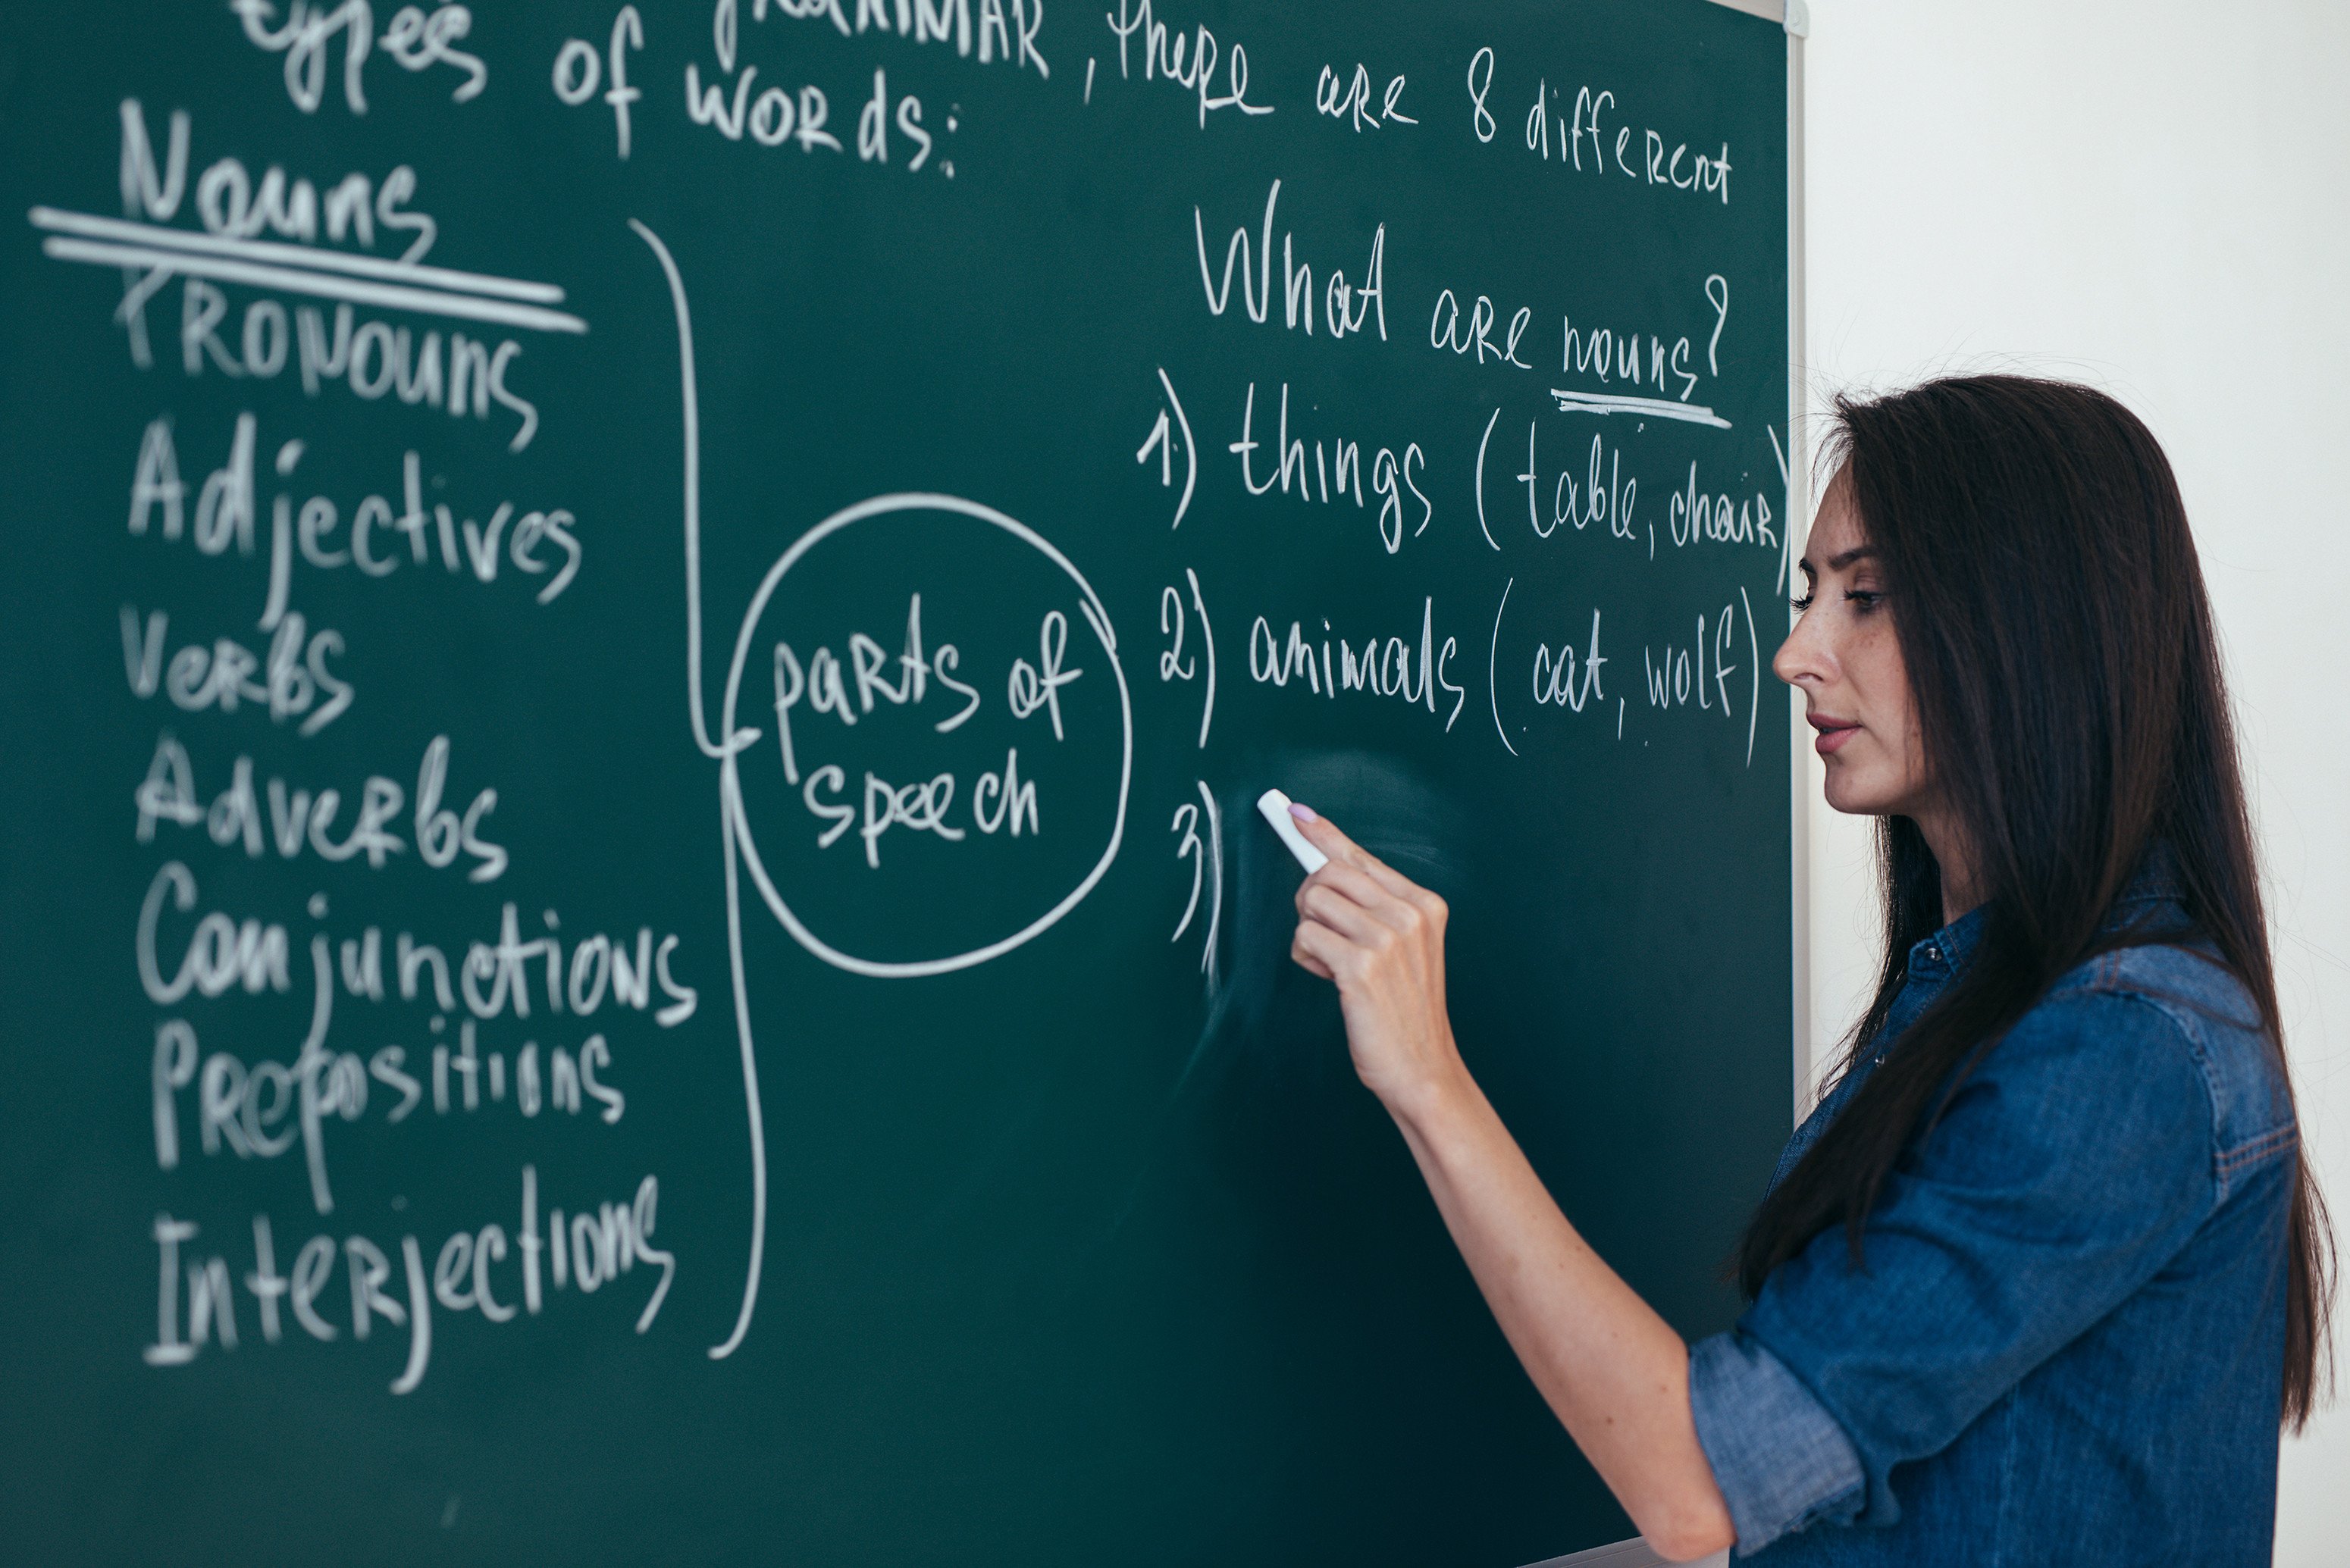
2067,1342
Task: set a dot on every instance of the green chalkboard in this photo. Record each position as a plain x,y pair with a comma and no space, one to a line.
638,642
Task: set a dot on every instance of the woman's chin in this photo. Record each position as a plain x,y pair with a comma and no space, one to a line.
1855,796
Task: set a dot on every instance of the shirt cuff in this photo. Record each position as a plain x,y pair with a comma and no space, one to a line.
1780,1459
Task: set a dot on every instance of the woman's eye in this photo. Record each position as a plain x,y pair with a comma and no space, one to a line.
1863,599
1800,603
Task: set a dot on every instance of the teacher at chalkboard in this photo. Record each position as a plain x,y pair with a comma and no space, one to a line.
2045,1275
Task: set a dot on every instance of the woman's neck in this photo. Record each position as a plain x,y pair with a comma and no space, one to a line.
1961,890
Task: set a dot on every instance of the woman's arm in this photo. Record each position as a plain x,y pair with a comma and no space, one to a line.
1616,1373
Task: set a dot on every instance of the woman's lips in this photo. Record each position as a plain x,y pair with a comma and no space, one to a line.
1834,732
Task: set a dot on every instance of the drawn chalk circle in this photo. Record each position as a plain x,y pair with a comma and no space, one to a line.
731,786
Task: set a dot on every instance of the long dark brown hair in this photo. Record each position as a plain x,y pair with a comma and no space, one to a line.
2065,674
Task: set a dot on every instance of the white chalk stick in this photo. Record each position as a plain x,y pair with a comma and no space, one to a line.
1274,806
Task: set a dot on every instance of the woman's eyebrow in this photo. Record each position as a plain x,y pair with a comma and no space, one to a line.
1837,562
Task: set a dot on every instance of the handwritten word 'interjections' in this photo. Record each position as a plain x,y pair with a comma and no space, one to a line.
481,1271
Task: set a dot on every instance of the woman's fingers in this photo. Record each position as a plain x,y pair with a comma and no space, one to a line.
1325,903
1326,836
1313,949
1347,882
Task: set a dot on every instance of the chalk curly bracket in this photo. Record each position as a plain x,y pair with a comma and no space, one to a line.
735,742
740,851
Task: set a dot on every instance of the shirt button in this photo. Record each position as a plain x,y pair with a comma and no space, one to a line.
1933,954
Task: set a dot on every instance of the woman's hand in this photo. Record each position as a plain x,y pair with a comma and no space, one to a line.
1380,936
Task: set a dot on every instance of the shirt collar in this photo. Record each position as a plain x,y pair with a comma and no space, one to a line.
1943,953
1937,956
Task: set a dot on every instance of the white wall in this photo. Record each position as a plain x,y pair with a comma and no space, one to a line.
2153,196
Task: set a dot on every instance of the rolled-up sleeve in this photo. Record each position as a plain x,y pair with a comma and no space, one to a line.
2074,1163
1779,1457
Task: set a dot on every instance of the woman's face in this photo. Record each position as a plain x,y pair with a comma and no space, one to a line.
1845,660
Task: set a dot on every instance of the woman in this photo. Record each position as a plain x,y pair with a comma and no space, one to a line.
2044,1274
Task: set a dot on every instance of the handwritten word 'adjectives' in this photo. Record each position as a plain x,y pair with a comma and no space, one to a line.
415,39
538,544
1164,52
1346,306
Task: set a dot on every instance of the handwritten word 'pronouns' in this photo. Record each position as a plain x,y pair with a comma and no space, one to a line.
481,1271
372,360
1187,62
1346,306
414,39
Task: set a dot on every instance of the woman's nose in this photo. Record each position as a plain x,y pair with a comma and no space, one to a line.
1801,658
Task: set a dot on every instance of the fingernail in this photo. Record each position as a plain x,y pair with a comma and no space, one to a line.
1301,810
